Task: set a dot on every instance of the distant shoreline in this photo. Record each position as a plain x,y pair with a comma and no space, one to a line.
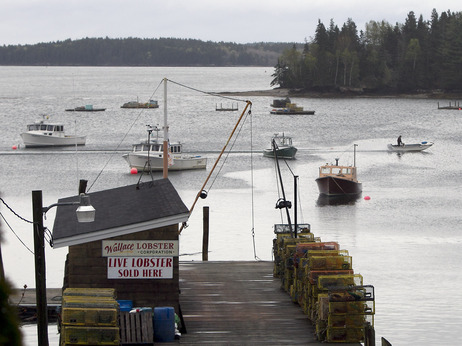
282,93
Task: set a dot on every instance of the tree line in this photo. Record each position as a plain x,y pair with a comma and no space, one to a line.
142,52
411,57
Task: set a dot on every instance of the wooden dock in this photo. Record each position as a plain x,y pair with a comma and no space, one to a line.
239,303
228,303
455,106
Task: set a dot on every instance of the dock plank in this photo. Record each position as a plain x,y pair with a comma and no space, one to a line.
239,303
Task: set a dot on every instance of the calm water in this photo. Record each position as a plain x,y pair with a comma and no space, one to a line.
405,240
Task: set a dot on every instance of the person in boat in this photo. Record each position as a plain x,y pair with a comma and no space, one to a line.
400,142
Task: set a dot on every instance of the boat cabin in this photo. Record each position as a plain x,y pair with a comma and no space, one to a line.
347,172
156,147
45,127
282,141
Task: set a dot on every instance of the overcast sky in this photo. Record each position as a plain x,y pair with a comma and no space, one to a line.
240,21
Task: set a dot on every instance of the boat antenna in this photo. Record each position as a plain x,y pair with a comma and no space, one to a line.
354,155
202,193
282,202
147,164
165,144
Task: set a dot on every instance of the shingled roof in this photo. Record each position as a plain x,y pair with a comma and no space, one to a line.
120,211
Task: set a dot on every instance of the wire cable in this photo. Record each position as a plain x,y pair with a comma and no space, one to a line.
19,216
123,139
20,240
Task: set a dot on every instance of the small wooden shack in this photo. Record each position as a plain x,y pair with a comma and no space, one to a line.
132,246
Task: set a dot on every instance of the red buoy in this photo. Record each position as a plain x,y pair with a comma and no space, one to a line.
367,198
133,171
14,147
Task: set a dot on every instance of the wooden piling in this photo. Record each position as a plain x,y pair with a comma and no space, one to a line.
205,236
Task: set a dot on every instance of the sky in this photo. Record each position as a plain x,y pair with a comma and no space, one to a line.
240,21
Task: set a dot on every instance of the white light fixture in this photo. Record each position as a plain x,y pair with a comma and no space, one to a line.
85,212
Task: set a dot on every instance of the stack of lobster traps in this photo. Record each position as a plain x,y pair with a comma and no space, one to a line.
89,317
319,276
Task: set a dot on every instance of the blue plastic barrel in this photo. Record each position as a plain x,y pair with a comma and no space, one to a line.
164,324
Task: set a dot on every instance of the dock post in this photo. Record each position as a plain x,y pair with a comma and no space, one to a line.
370,336
205,236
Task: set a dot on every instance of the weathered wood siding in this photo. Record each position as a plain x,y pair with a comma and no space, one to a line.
86,267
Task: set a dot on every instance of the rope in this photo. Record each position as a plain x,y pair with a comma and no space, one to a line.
229,151
208,93
252,189
335,181
122,140
216,162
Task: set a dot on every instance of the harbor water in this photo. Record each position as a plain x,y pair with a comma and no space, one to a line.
404,239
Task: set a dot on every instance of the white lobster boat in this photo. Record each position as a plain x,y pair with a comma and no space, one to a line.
148,155
47,134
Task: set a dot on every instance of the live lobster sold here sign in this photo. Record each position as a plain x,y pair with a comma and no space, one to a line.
140,267
140,259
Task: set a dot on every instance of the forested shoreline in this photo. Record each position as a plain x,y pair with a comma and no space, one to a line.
417,57
142,52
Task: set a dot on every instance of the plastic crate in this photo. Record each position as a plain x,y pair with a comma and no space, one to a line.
345,334
125,305
89,317
92,292
71,335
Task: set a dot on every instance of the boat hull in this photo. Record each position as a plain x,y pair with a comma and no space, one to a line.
410,147
32,140
292,112
86,110
180,162
282,153
333,186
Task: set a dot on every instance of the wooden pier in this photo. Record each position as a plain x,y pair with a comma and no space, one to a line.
239,303
226,109
455,106
228,303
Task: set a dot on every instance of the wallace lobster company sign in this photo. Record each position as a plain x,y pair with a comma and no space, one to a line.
140,248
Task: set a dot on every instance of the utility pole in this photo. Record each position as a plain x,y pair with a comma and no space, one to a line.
40,274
